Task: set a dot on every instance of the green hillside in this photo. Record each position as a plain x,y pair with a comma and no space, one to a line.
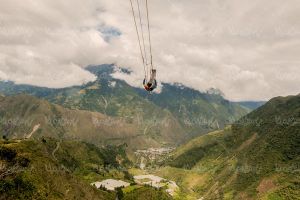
35,170
197,112
26,116
53,169
256,158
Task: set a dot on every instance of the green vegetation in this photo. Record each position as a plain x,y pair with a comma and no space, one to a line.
147,193
192,157
20,114
197,112
34,170
256,158
131,188
53,169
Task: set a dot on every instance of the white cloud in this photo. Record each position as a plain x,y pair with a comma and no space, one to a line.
249,50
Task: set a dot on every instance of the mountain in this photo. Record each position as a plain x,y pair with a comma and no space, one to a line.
258,157
49,169
189,111
25,116
197,112
46,168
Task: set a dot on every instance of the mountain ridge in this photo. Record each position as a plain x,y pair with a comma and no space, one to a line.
19,114
196,112
262,148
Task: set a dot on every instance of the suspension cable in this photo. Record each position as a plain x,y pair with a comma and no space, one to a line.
151,58
143,39
137,32
141,25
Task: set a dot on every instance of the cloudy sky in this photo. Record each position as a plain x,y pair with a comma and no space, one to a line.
248,49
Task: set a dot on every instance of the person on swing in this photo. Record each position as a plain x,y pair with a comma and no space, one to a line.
152,83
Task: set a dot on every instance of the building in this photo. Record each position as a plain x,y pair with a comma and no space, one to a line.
110,184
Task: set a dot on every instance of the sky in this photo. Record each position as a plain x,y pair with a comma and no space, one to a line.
247,49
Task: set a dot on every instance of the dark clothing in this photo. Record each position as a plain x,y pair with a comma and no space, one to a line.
150,86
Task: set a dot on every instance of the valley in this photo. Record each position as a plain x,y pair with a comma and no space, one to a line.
149,100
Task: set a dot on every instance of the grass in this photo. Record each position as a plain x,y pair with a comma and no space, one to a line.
39,175
238,159
131,188
187,180
67,175
136,171
147,193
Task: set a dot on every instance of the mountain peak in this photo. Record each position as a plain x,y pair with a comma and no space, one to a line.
215,91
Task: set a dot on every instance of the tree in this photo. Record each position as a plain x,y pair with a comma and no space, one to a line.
120,193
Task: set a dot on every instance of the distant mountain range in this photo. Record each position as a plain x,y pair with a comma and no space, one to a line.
252,105
171,117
